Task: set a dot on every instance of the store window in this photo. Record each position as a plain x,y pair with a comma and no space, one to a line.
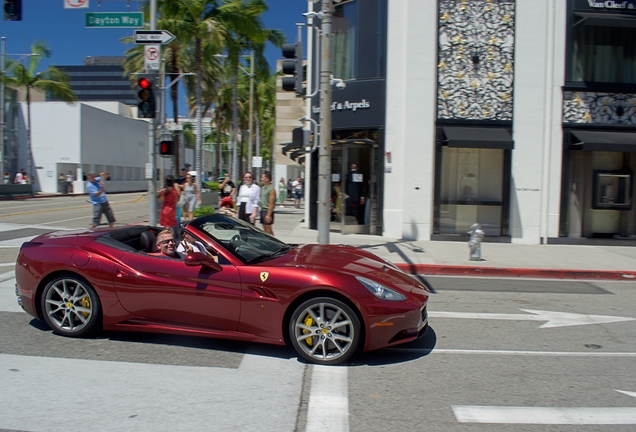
344,29
603,54
472,184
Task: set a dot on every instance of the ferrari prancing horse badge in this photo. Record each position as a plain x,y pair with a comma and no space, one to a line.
264,276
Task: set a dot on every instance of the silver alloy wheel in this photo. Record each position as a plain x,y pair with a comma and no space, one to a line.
325,332
68,306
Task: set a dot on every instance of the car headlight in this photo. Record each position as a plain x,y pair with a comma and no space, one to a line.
380,291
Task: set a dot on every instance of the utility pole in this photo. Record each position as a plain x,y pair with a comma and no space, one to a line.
152,190
324,153
2,149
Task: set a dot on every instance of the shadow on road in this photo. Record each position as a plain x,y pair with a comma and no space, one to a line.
195,350
399,354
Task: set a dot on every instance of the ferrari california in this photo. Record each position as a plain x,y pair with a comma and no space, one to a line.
327,301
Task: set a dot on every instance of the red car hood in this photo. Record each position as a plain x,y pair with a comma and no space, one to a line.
351,260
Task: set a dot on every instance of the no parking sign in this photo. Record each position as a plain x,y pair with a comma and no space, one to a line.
151,57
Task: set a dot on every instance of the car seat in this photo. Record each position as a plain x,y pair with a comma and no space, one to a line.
148,242
177,234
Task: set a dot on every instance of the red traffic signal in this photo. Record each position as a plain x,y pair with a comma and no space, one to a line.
166,148
146,108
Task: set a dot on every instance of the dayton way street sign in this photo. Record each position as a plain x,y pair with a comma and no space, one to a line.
153,37
114,19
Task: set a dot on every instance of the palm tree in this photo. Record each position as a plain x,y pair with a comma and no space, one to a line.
51,80
192,22
244,34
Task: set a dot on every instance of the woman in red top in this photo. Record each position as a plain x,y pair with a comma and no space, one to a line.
169,195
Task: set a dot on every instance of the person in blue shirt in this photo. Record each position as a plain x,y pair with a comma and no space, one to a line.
97,191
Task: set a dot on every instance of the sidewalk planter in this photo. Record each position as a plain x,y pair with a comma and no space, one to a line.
16,190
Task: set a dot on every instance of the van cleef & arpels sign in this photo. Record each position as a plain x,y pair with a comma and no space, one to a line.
610,5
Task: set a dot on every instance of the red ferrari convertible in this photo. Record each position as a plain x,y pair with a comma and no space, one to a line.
327,301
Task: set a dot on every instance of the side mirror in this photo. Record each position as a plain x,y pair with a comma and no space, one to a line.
194,259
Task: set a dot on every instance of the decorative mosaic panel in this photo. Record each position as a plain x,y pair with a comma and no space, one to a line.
476,53
599,108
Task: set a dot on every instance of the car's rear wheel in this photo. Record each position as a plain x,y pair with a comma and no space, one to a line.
325,331
71,306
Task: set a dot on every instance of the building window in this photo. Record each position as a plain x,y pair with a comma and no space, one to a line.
344,29
472,181
603,54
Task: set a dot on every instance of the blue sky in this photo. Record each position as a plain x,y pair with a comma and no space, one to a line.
64,31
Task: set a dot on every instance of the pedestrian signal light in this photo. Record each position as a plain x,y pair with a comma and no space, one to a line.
146,108
13,10
166,148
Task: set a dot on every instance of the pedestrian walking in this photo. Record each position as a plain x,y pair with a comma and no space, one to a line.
227,188
61,183
282,192
97,191
268,202
168,196
192,196
69,182
6,179
297,185
19,178
248,195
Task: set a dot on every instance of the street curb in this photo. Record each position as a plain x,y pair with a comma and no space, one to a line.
450,270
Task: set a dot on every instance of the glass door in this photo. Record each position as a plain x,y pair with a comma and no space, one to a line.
353,187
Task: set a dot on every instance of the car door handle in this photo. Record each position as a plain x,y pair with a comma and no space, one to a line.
122,274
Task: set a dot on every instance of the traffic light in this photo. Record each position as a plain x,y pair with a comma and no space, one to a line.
13,10
294,67
300,140
166,148
146,108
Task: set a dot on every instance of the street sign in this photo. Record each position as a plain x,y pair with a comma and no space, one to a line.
114,19
151,57
75,4
153,37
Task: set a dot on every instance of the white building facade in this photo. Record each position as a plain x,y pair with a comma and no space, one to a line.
517,115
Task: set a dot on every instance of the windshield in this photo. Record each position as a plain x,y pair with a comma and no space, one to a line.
240,238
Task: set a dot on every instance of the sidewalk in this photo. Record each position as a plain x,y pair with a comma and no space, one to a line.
499,259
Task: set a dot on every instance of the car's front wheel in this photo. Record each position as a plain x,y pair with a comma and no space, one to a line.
325,331
71,306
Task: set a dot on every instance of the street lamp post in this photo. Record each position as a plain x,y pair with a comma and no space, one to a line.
324,152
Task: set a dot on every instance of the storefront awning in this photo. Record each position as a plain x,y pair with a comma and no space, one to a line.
606,19
479,137
605,140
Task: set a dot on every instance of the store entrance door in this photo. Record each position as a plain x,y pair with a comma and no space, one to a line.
354,187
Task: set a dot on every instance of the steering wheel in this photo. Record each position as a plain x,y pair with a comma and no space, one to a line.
236,242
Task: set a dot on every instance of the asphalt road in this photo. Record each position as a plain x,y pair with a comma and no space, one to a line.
500,355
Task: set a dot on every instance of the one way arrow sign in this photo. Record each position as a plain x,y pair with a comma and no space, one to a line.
153,37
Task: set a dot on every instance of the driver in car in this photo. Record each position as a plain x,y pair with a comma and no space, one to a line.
166,245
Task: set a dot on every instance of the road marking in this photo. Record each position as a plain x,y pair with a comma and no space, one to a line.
628,393
328,406
427,351
554,319
88,205
544,415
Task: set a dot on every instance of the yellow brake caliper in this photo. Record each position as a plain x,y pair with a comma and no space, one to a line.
86,304
308,322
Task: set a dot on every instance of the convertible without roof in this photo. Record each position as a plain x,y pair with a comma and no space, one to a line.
327,301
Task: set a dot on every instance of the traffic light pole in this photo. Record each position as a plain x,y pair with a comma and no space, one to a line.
324,151
152,189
